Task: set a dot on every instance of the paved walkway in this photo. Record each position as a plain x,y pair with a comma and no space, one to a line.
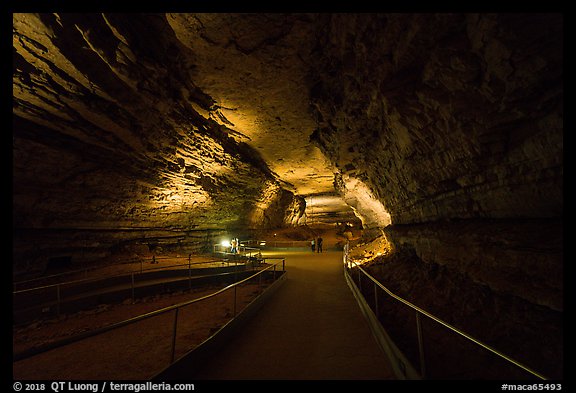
310,329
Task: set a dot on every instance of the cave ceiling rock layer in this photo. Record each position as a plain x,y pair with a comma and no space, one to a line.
255,67
111,130
440,116
201,120
444,116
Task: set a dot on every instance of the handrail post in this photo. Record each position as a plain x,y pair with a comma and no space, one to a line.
174,335
283,264
420,345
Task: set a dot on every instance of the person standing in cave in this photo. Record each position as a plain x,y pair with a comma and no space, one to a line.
319,244
312,245
233,245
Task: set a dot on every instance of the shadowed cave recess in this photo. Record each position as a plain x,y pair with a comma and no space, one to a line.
440,135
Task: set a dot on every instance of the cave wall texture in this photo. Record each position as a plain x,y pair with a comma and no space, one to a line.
445,130
455,122
445,116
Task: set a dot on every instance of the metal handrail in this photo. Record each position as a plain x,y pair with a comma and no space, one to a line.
58,300
91,268
138,318
424,312
287,243
274,242
242,250
83,280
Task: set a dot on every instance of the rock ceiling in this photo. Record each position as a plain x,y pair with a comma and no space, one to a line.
193,119
200,120
137,130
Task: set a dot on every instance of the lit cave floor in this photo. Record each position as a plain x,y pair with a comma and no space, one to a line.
311,328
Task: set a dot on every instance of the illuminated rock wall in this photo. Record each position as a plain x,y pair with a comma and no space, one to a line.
112,137
169,124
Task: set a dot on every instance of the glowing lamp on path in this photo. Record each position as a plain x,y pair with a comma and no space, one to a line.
225,243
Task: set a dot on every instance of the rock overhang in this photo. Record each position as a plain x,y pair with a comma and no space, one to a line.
190,121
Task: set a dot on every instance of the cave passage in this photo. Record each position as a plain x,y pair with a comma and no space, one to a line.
431,144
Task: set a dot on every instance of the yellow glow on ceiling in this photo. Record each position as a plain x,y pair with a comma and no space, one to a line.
257,96
294,159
